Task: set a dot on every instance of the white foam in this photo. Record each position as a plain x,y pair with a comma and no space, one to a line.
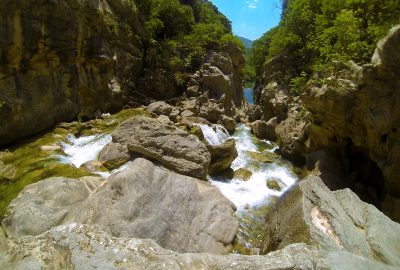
83,149
254,192
214,134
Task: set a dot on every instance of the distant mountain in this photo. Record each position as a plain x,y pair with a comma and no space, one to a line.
247,42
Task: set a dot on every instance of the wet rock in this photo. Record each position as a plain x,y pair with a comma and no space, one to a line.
94,166
172,147
243,174
129,205
228,173
333,221
160,108
263,157
265,130
196,130
229,123
275,184
114,155
222,156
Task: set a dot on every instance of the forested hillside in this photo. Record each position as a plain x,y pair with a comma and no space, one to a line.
314,33
179,33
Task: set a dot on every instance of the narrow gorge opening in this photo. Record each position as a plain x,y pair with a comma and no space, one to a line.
365,177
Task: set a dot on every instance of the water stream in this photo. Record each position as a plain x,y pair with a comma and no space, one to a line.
252,197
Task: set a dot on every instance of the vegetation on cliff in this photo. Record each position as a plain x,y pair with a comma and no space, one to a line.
179,33
314,33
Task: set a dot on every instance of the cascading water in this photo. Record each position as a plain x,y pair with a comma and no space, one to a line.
86,148
251,197
83,149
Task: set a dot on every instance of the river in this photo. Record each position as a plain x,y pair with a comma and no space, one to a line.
60,153
252,198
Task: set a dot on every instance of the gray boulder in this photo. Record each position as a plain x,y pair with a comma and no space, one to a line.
114,155
212,111
333,221
44,205
265,130
174,148
142,201
222,156
229,123
160,108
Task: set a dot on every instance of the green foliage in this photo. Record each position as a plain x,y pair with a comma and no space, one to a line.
180,32
298,84
313,33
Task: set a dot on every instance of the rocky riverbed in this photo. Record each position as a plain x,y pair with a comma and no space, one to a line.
114,198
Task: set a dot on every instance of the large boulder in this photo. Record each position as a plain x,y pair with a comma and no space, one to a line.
160,108
170,146
274,101
292,135
44,205
114,155
265,130
222,156
333,221
61,59
143,201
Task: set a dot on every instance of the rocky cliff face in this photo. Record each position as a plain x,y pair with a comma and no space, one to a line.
219,80
358,110
63,59
76,58
348,126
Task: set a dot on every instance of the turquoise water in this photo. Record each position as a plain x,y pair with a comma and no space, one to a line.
248,94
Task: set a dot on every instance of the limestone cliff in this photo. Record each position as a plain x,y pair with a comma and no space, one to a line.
348,127
61,59
359,111
70,59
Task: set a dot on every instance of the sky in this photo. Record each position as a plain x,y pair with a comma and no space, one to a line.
250,18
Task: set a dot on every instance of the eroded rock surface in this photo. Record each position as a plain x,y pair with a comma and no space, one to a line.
222,156
334,221
61,59
172,147
143,201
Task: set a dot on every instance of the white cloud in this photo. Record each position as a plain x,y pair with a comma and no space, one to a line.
252,4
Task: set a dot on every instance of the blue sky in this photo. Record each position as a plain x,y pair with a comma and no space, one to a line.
250,18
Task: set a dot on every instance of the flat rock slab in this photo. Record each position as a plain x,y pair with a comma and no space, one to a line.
83,247
172,147
143,201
